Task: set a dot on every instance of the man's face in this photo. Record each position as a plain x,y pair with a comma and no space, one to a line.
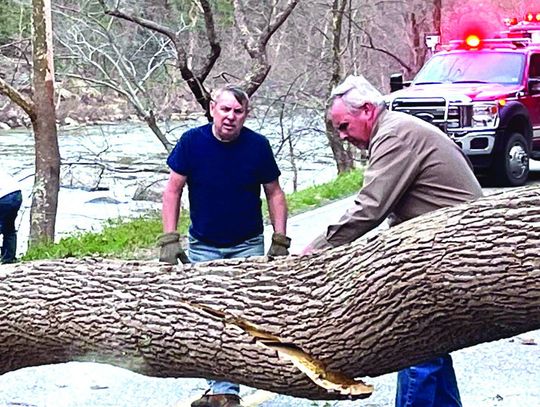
229,116
353,126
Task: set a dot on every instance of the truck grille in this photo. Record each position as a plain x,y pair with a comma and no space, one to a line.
433,110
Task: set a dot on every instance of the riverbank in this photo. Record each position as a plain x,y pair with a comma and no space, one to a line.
79,103
75,110
104,167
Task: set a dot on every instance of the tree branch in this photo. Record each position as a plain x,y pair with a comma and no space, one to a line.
151,25
215,46
18,98
277,20
194,80
255,44
384,51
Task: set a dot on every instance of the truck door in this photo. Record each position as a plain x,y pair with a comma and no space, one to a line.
533,99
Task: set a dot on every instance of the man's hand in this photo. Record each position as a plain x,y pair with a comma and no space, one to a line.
280,245
318,244
171,251
307,250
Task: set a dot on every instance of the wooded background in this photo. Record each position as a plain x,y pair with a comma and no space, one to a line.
374,38
159,60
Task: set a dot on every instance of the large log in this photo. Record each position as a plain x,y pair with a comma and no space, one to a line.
445,281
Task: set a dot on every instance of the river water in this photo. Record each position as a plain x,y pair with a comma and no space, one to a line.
103,167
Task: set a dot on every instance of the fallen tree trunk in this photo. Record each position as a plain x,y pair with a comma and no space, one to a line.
445,281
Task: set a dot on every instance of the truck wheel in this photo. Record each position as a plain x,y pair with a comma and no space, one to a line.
511,167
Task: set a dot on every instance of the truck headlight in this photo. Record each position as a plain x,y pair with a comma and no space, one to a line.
485,115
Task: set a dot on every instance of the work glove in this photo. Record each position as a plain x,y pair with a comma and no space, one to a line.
171,251
280,245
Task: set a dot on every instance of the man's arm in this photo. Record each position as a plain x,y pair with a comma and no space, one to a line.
391,170
277,206
172,196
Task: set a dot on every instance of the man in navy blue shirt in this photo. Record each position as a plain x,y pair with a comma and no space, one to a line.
224,165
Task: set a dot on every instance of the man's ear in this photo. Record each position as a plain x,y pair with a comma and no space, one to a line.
370,109
211,108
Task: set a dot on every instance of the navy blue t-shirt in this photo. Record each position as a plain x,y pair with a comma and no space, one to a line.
224,182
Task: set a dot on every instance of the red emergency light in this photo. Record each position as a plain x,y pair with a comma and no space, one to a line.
472,40
511,21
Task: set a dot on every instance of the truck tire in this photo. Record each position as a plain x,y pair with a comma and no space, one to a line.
511,166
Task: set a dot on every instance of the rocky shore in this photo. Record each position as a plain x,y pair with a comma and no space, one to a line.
78,101
89,108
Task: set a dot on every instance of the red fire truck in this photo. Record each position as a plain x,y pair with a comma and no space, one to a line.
485,94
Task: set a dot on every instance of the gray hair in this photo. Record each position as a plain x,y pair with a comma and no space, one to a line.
355,92
239,94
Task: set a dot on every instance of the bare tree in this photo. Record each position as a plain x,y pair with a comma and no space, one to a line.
40,109
421,19
343,155
93,44
304,326
255,41
193,76
291,126
340,36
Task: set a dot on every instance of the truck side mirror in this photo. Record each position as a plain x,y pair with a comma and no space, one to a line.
432,40
534,85
396,82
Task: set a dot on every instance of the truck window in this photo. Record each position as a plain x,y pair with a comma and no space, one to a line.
473,67
534,66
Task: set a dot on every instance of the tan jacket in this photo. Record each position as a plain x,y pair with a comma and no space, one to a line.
413,168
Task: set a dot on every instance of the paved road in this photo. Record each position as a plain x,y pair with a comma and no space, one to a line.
504,373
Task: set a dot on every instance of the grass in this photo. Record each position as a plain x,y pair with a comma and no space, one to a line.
125,237
344,185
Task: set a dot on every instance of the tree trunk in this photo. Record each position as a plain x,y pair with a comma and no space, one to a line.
47,176
342,156
448,280
422,19
150,120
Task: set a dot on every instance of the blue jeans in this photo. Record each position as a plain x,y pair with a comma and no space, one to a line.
430,384
199,252
9,207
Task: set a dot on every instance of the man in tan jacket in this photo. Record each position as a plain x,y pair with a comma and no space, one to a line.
413,168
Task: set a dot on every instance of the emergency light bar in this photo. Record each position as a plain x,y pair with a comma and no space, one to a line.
520,34
532,17
473,42
529,18
529,27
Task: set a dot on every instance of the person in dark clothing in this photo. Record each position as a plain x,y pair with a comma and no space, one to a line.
10,203
224,165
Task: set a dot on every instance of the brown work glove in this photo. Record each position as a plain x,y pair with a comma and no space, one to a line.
171,251
280,245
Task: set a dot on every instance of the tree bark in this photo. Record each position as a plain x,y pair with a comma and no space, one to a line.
422,19
444,281
40,109
343,156
47,153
